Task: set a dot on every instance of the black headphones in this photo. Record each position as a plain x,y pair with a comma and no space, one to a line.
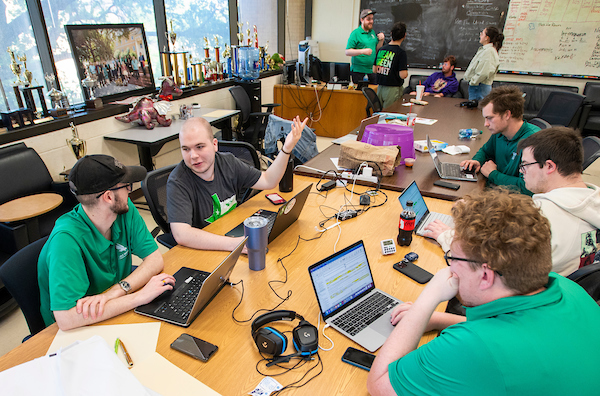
272,342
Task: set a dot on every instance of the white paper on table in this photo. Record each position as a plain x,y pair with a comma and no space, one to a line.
140,339
453,150
218,113
425,121
163,377
340,140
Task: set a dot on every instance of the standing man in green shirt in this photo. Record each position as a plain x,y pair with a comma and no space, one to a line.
362,46
499,158
84,269
527,330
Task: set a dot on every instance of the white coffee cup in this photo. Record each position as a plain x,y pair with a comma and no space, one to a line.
420,91
410,119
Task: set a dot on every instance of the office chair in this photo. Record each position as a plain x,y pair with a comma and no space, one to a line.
19,275
562,109
245,152
251,127
591,120
591,150
588,277
372,101
154,187
543,124
413,81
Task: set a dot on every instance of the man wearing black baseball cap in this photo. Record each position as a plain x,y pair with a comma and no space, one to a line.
362,47
84,269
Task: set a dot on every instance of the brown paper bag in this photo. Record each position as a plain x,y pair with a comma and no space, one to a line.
353,153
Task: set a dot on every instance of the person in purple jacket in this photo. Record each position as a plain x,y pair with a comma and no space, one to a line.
443,83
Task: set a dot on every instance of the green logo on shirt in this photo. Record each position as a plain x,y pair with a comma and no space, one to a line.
220,209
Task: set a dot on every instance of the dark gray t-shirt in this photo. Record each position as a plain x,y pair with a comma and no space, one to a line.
197,202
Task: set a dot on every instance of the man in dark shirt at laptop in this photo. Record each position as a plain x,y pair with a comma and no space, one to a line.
205,185
527,330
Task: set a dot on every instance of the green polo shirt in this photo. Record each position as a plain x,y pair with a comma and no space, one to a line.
359,39
77,261
543,344
504,153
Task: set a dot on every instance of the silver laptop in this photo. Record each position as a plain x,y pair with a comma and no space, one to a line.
193,291
448,170
424,216
348,299
279,221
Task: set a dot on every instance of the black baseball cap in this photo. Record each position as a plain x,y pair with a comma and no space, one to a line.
366,12
97,173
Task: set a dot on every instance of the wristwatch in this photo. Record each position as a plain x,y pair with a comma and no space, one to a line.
125,286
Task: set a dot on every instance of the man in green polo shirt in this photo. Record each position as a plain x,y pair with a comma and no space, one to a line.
362,46
527,331
84,269
499,158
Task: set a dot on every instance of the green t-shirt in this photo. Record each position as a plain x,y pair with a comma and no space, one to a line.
504,153
77,261
360,39
543,344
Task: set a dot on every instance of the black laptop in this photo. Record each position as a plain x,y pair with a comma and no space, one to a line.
193,291
279,221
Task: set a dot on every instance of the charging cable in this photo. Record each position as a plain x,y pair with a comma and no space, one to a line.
329,339
328,228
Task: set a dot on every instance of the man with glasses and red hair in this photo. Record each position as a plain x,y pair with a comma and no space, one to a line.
527,330
84,269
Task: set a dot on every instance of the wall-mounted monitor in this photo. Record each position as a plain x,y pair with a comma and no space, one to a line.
115,56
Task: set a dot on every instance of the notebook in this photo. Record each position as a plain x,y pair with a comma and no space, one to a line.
424,216
348,299
448,170
193,291
279,221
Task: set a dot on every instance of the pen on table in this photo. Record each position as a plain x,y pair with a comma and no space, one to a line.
127,356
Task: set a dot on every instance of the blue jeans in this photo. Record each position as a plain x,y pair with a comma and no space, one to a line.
478,92
278,128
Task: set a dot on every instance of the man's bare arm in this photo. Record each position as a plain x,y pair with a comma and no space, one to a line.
195,238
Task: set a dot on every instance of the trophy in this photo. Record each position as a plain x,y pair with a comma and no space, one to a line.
26,73
217,49
77,145
172,36
89,83
58,99
255,36
240,34
248,34
15,68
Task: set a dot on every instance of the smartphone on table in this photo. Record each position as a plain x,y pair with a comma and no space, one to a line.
194,347
358,358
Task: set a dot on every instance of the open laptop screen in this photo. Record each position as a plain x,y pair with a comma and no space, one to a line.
341,278
412,193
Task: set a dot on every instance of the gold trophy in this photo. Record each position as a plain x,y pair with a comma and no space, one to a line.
240,34
15,67
77,145
26,73
172,36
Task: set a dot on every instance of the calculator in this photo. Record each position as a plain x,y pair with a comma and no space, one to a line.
388,246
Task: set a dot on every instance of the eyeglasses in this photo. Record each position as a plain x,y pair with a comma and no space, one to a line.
522,165
128,186
448,258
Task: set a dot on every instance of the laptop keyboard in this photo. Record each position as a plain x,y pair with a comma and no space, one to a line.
452,170
365,313
182,300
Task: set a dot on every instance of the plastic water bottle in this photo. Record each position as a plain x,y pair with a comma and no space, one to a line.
406,225
468,133
248,63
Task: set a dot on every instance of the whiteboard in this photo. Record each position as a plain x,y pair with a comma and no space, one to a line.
544,37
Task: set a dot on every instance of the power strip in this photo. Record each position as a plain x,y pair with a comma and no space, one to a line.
352,176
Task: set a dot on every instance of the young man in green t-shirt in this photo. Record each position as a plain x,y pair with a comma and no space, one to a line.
527,330
84,269
362,46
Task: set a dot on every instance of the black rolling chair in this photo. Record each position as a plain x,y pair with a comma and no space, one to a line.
413,81
591,150
591,120
562,109
252,126
372,101
154,187
543,124
245,152
19,275
588,277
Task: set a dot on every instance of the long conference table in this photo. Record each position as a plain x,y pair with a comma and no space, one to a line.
451,118
231,371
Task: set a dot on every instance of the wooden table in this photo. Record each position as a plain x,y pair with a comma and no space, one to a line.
340,110
450,118
27,209
231,371
150,141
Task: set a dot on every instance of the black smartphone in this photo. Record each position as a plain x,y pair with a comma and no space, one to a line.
195,347
413,271
358,358
442,183
275,198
